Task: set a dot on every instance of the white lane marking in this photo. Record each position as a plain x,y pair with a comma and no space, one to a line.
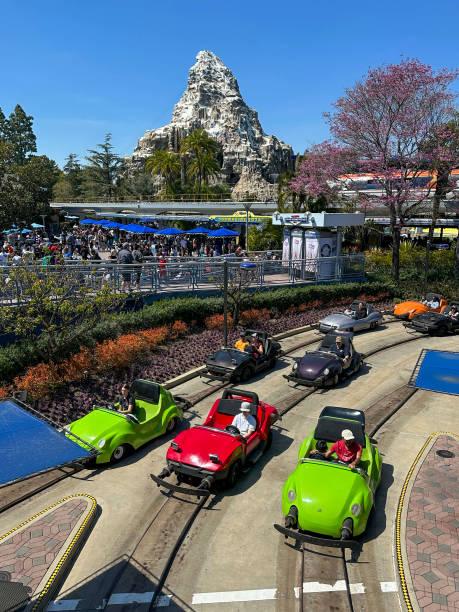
63,604
120,599
231,596
324,587
389,587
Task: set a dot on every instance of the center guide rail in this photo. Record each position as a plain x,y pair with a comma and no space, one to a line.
196,491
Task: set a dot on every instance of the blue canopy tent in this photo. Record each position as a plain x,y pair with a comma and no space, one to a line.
111,224
223,232
198,230
89,222
31,445
134,228
40,226
169,231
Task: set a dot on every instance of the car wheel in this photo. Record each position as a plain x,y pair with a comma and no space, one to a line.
374,324
269,441
119,453
172,424
335,380
245,374
442,330
233,474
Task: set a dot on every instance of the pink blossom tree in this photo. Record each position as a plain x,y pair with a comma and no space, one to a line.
380,126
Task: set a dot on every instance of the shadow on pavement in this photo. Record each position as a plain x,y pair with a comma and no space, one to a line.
123,584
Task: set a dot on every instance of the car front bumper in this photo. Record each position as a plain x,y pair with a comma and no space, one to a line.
317,540
422,329
224,375
196,472
321,381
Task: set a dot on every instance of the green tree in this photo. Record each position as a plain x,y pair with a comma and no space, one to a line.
58,303
2,126
165,164
38,176
74,175
201,153
104,170
14,199
18,131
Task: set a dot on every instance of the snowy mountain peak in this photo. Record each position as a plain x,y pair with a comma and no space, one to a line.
212,101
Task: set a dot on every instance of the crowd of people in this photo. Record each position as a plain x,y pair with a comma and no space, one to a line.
93,243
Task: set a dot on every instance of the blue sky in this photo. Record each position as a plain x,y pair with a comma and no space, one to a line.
83,68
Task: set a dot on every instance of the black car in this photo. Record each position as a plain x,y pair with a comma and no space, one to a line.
234,365
435,323
323,367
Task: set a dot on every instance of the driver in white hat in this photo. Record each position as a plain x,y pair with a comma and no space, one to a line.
244,421
347,449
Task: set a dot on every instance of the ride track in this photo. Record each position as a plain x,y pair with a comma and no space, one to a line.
176,515
18,492
158,565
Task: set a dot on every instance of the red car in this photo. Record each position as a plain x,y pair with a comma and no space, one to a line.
215,451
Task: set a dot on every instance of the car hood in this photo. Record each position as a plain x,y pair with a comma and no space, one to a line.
313,364
199,442
325,493
405,307
227,358
99,424
339,319
429,317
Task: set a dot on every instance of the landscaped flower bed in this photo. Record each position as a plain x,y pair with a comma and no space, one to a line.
167,361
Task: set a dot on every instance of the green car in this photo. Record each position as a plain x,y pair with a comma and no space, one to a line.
326,497
114,434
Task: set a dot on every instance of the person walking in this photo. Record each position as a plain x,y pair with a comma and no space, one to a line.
125,259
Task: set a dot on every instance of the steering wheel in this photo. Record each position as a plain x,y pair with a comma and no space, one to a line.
232,430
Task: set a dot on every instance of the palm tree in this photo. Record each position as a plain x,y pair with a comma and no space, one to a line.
203,151
165,164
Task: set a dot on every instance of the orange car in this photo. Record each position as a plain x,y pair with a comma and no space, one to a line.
408,310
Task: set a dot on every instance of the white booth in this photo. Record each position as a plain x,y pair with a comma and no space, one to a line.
312,242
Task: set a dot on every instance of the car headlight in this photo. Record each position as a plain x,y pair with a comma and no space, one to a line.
295,366
326,371
101,443
356,509
291,495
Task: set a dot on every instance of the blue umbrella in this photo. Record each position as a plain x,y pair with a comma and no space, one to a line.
198,230
137,229
223,232
170,231
39,225
26,231
89,222
110,224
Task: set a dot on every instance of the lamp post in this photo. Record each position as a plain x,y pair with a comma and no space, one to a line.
225,302
247,207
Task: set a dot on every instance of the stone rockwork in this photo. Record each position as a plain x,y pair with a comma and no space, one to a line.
212,101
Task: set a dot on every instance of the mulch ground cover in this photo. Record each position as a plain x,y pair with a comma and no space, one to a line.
168,361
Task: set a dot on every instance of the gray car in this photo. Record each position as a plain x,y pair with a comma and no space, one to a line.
350,320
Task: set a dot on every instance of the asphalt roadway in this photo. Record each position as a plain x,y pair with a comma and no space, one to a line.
233,559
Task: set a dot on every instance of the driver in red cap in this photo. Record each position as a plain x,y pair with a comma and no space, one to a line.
347,449
244,421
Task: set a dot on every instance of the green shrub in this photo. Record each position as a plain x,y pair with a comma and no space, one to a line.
14,359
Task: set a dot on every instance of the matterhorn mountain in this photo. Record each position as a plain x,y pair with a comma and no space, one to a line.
252,160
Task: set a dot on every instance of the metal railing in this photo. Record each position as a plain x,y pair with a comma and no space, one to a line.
191,274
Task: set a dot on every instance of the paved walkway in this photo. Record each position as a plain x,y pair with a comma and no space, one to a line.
34,554
432,529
